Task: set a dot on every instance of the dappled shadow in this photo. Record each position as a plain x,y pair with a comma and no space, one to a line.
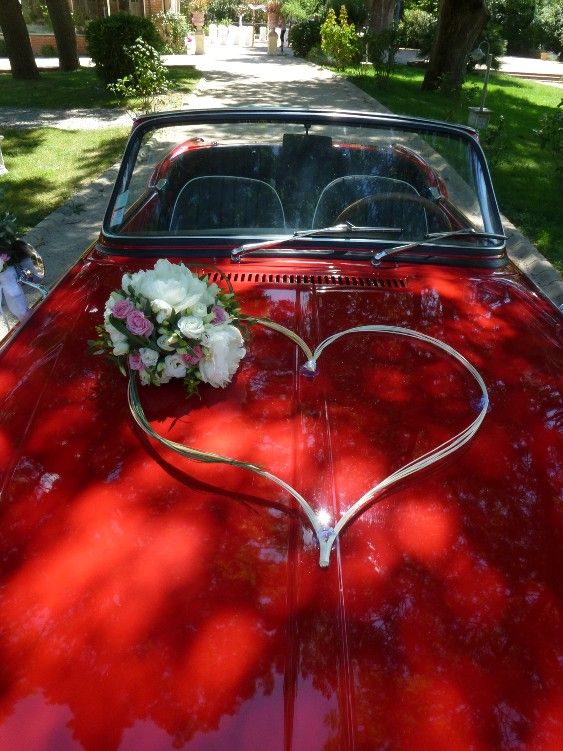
234,91
79,88
102,156
139,583
526,181
66,119
33,197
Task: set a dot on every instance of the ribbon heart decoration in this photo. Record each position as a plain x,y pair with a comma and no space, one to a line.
327,535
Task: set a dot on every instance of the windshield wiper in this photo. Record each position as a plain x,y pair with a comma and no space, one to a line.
337,229
430,239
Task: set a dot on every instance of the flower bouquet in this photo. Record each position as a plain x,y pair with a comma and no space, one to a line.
168,323
19,264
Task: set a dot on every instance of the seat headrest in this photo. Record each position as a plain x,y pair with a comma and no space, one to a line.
301,141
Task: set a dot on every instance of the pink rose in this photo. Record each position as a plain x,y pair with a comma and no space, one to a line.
219,314
135,361
139,324
4,257
122,308
194,358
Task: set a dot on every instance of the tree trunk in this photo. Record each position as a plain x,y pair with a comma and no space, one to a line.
381,14
65,35
459,26
18,46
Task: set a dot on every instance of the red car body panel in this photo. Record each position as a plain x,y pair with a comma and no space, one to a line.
152,602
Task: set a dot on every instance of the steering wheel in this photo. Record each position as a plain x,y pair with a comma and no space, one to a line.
426,203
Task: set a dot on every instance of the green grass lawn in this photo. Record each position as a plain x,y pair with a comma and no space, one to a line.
79,88
47,165
527,185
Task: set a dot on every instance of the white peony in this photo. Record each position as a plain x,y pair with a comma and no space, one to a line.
174,366
225,351
168,283
149,356
191,327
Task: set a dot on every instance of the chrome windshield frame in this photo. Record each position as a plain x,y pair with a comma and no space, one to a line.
214,244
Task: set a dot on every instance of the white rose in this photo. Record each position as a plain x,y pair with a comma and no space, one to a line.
191,327
211,293
116,336
162,309
199,310
170,283
174,366
121,348
148,356
225,351
163,343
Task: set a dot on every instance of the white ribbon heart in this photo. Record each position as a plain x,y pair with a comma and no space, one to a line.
327,535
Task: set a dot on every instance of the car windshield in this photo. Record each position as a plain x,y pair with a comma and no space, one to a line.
255,177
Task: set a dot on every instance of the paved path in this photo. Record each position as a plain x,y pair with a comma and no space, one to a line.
534,69
232,77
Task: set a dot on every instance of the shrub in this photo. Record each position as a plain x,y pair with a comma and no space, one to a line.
108,38
149,79
494,140
417,29
80,18
317,56
7,229
550,134
515,18
492,36
223,11
356,10
305,35
48,50
382,47
547,27
173,29
339,40
36,13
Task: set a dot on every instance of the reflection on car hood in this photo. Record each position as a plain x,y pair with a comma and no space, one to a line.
153,602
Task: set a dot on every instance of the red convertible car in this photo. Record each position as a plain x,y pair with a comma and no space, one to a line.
301,491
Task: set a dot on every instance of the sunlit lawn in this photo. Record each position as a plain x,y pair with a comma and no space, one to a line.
47,165
527,184
79,88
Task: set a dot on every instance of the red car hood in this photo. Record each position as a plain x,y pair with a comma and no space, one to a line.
151,602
